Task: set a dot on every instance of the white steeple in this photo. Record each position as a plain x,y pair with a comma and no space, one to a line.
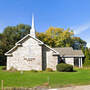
32,31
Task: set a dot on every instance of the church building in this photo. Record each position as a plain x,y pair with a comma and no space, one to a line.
30,53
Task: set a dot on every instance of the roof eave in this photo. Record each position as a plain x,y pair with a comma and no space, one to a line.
6,54
72,56
56,54
18,44
41,44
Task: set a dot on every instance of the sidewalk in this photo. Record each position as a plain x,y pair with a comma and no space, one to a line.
85,87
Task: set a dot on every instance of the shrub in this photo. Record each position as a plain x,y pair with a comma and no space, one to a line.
49,70
87,63
33,70
64,67
12,69
40,71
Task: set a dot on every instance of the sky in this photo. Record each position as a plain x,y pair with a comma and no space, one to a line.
73,14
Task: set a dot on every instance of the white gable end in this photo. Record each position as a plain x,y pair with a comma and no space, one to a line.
26,57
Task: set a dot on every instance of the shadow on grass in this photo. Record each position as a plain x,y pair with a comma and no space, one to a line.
3,68
74,70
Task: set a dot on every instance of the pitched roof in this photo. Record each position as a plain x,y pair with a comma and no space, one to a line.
69,52
63,52
19,43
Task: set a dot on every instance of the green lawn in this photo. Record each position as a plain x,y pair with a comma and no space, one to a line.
56,79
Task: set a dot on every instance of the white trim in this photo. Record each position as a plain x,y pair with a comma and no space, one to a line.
31,37
19,44
8,54
22,39
72,56
81,62
10,50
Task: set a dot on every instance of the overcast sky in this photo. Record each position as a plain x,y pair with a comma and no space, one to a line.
74,14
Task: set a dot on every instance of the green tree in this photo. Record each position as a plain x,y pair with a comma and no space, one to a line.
14,34
54,37
87,58
58,37
46,39
78,43
87,54
10,36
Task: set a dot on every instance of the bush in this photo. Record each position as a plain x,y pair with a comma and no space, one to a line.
87,63
49,70
12,69
33,70
64,67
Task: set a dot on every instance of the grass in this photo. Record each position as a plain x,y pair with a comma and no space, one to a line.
55,79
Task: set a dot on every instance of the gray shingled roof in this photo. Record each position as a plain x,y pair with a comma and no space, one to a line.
69,52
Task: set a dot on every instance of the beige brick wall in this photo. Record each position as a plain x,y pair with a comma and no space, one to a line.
27,57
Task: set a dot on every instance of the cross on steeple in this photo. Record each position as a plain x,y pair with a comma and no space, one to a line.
33,31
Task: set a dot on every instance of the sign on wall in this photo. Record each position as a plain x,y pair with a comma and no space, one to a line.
29,59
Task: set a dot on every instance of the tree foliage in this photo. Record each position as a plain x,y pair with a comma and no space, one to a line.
78,43
87,54
54,37
58,37
87,57
11,35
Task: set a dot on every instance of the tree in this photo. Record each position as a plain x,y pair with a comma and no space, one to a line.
10,36
46,39
54,37
78,43
87,58
57,37
14,34
2,44
87,54
64,39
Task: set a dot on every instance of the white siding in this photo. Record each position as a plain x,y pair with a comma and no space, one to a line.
52,61
69,61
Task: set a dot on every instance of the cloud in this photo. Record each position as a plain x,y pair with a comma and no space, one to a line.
80,28
88,45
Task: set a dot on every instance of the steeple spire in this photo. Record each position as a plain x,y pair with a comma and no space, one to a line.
32,31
